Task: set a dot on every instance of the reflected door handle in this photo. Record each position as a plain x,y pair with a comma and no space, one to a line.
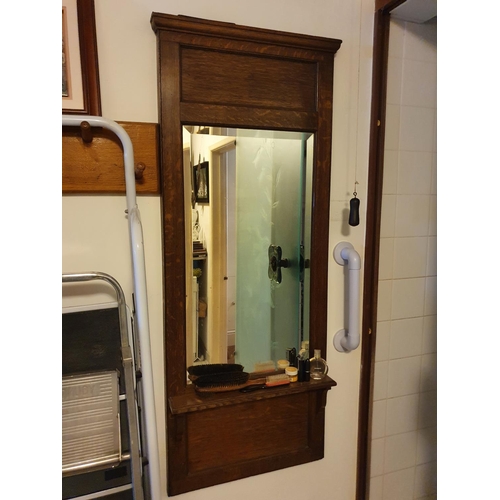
276,262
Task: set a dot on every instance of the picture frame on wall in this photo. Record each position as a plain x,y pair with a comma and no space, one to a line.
80,70
201,188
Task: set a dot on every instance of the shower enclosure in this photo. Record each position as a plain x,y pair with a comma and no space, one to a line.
273,181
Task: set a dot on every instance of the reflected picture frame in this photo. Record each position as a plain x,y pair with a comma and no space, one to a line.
80,71
201,185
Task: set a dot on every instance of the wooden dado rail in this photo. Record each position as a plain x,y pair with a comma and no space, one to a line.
92,159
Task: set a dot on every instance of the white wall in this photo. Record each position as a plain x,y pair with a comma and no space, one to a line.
404,443
95,232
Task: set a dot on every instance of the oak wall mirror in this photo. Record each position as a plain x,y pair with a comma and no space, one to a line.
248,247
234,94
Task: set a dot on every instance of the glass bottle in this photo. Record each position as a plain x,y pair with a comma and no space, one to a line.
319,368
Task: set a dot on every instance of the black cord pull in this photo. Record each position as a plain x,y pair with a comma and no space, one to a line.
354,209
354,212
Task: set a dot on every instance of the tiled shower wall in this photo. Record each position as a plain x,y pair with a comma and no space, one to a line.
403,451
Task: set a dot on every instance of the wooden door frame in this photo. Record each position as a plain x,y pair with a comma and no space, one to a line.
218,252
383,10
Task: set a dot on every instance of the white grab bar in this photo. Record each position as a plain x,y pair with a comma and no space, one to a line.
140,290
348,340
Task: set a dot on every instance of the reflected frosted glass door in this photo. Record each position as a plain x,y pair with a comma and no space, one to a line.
269,211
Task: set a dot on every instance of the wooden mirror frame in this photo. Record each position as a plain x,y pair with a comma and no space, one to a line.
225,75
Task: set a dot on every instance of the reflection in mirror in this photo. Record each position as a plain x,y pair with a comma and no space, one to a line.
248,196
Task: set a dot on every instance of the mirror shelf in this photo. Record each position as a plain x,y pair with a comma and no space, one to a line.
192,401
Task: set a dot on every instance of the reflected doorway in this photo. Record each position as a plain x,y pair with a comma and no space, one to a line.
254,234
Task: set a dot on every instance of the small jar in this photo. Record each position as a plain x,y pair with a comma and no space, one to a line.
293,373
283,363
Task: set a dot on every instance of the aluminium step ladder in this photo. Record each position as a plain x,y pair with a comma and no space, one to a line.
141,315
102,452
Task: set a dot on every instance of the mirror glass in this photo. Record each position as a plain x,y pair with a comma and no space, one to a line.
247,194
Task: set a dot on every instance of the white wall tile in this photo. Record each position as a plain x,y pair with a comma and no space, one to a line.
410,257
430,296
419,83
414,172
412,215
434,133
408,298
433,216
400,451
394,76
425,480
392,120
399,485
416,128
383,340
426,445
376,485
429,340
432,256
380,380
420,42
428,376
378,418
390,183
406,338
377,457
403,376
396,38
409,214
388,217
427,409
401,414
384,300
386,259
434,172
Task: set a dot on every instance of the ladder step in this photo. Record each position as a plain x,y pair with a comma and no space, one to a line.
90,421
104,493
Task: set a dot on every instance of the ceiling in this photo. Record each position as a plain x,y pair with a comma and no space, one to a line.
416,11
